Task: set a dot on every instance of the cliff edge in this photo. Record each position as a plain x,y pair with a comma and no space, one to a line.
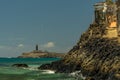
97,53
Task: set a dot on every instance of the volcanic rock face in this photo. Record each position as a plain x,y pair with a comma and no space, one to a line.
97,54
98,57
94,55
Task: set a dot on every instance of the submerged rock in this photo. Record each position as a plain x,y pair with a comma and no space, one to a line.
20,65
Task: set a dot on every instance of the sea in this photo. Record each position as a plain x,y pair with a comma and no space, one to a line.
7,72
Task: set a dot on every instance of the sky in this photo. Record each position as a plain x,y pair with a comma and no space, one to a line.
55,25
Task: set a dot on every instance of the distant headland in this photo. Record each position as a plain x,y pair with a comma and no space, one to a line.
41,54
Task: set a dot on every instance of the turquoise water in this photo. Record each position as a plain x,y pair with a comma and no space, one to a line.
32,73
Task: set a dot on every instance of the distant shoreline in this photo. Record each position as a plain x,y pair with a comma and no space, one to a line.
41,54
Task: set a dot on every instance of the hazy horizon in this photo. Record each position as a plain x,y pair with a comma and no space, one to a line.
55,25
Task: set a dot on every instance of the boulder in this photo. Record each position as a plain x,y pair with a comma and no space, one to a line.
20,65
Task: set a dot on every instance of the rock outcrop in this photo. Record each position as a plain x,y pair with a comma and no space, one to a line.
96,55
20,65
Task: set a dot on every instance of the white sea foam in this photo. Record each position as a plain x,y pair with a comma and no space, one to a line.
77,74
33,67
48,72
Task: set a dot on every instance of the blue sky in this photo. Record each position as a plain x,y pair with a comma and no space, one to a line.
55,25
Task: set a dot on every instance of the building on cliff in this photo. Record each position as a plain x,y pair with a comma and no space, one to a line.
118,15
107,13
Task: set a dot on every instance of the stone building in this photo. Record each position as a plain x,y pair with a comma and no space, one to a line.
106,13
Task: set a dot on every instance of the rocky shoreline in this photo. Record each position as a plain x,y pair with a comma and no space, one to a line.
98,58
97,53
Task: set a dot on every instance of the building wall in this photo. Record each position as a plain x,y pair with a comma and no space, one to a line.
110,17
111,33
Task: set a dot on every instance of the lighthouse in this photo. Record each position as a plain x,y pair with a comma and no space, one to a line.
36,48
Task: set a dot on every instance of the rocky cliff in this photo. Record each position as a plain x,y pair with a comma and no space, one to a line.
96,56
97,53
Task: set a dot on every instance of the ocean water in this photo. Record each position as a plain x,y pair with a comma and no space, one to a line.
32,73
